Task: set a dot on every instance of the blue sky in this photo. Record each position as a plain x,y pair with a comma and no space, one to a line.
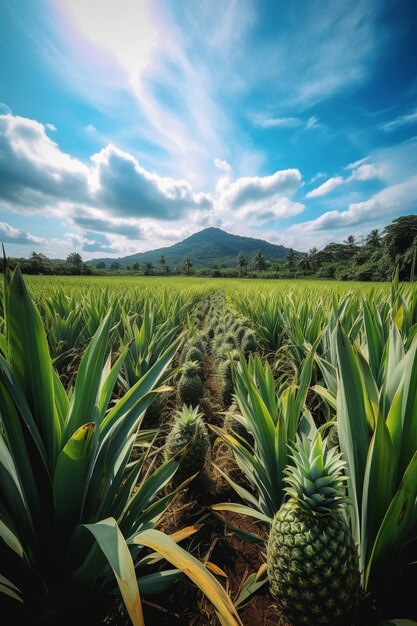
129,125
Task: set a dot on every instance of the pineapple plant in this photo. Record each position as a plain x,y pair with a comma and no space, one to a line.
240,333
194,354
312,559
230,340
190,387
225,373
249,343
189,441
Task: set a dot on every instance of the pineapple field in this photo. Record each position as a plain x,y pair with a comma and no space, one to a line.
192,452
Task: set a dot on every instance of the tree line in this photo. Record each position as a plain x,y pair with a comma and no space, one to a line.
374,258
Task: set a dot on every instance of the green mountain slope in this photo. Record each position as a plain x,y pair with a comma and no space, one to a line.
211,246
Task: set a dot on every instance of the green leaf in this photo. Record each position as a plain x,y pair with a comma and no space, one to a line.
176,555
378,486
70,479
30,361
395,525
153,584
242,510
352,421
252,584
139,397
114,547
83,408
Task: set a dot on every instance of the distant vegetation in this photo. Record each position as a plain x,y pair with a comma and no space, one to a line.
374,258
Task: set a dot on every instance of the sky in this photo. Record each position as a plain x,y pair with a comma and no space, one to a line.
128,125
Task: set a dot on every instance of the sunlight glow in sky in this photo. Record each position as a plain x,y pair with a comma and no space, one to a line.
124,125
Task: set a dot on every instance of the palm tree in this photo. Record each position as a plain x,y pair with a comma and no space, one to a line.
188,266
374,239
304,262
290,258
148,268
241,263
75,259
162,261
350,242
260,262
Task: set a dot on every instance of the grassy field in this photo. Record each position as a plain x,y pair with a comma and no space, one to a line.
79,283
192,451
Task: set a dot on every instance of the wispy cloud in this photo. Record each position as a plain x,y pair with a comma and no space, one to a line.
287,122
278,122
408,119
326,187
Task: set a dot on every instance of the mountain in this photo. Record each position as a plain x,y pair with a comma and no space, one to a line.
208,247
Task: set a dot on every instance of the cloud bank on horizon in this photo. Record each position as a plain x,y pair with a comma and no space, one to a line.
127,126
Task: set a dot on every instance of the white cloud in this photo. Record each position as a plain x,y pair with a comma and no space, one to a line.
326,187
115,195
35,174
9,234
253,189
388,202
278,122
361,171
367,171
126,188
288,122
270,209
353,166
222,165
51,127
258,198
318,176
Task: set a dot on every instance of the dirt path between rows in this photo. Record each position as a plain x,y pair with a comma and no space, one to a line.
184,604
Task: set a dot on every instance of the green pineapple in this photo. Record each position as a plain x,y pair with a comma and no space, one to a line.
225,375
249,343
190,386
312,560
189,440
194,354
240,333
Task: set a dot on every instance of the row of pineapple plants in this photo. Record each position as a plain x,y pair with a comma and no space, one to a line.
77,509
336,518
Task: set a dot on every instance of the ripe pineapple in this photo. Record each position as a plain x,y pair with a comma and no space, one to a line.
312,560
189,439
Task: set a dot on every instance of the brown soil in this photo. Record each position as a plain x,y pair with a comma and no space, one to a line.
184,604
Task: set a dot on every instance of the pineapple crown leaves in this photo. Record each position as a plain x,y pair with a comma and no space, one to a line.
191,368
316,481
188,417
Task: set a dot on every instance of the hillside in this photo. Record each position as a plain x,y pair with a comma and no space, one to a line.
211,246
